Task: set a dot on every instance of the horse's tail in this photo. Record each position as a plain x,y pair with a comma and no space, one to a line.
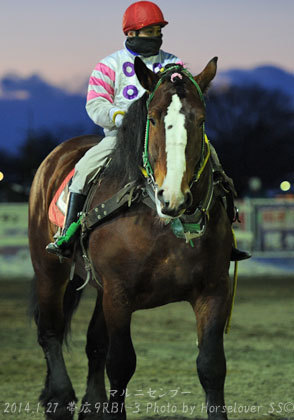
71,302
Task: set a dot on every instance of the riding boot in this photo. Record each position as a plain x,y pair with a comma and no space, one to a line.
238,255
62,245
219,174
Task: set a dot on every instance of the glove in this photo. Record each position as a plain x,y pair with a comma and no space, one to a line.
118,120
116,115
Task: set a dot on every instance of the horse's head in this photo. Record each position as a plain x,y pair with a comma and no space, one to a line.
175,132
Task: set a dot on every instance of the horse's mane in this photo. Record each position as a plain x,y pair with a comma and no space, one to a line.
126,158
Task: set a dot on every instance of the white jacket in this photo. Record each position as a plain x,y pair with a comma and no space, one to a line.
113,84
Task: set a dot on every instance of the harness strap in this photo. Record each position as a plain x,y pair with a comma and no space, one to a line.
205,204
203,159
127,195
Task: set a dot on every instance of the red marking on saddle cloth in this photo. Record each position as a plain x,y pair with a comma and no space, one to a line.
58,205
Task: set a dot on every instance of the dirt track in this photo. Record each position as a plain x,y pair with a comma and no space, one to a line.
259,351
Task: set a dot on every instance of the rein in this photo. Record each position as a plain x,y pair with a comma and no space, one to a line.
205,148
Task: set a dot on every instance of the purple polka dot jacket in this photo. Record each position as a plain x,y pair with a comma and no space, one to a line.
113,84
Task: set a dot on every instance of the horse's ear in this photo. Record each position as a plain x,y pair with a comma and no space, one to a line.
205,77
146,77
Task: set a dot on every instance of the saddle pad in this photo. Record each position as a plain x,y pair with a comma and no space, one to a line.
58,205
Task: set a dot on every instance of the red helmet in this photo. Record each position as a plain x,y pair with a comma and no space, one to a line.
141,14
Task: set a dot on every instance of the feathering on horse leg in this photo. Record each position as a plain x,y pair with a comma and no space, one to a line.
58,389
211,314
121,356
96,349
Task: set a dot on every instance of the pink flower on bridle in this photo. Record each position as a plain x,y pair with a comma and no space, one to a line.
174,75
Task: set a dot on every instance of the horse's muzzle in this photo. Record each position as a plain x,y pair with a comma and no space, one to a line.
174,209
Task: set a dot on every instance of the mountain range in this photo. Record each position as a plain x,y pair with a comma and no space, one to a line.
31,104
268,77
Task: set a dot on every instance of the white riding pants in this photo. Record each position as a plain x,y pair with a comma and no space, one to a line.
94,159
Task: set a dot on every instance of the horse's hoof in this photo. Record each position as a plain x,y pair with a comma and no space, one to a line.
61,414
90,414
220,416
91,417
114,416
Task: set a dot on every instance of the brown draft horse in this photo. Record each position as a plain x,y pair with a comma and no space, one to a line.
139,260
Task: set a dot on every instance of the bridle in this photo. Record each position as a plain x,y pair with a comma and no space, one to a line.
205,148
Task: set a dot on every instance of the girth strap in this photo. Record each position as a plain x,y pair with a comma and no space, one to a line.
127,195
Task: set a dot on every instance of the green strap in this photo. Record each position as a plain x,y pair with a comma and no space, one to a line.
146,163
71,231
179,228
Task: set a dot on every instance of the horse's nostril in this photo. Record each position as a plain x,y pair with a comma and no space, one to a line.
165,204
161,198
160,193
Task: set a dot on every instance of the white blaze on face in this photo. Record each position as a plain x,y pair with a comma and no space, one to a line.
176,141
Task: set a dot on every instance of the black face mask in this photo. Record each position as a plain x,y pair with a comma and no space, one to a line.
144,45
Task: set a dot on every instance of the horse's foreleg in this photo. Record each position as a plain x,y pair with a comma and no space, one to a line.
97,345
58,392
121,357
211,314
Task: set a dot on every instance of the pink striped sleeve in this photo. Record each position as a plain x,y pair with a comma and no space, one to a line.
107,71
94,81
92,95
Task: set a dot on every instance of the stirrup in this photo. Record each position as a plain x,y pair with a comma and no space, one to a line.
63,245
64,252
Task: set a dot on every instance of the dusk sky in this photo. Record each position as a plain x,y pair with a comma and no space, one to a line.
63,39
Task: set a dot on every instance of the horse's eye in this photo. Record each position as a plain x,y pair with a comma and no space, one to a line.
152,120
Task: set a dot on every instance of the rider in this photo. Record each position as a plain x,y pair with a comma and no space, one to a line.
113,86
